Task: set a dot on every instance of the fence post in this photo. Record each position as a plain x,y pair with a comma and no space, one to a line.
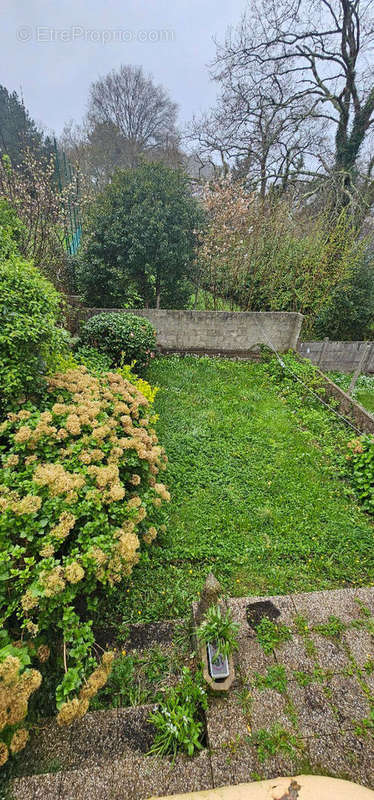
364,355
322,351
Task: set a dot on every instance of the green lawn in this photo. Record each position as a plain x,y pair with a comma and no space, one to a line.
255,493
366,398
364,390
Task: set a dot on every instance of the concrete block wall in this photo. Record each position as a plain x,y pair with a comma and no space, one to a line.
348,408
341,356
210,332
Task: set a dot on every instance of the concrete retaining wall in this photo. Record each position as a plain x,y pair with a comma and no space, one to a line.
342,356
347,407
234,334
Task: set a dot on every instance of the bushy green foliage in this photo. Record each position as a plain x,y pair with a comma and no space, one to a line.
85,356
140,240
349,313
93,359
44,210
123,337
272,255
77,496
29,336
218,628
177,718
11,230
361,464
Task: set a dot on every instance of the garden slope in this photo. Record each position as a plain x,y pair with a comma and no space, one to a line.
254,496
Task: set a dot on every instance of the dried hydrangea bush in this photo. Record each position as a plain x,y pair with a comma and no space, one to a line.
16,686
79,495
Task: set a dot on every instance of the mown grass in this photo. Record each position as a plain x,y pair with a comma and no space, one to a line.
256,494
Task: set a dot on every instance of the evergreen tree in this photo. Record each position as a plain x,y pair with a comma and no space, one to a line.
18,130
141,240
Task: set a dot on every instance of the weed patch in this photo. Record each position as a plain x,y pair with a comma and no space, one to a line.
318,675
275,678
271,634
332,629
272,741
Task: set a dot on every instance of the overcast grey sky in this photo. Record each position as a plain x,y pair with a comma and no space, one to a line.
53,50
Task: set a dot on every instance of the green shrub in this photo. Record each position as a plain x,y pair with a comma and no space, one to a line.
361,462
91,358
11,229
273,256
140,240
349,312
29,336
123,337
78,492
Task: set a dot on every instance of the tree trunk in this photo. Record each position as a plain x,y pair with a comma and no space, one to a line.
158,292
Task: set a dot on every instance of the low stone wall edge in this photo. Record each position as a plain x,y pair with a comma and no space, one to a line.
208,332
348,407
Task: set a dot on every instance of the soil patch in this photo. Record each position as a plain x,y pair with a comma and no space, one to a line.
257,611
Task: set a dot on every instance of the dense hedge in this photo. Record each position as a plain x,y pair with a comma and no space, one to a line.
78,496
29,336
124,337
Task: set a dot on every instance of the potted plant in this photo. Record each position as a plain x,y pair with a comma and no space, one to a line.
218,637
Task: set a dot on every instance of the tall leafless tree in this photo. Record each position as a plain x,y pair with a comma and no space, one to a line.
325,48
140,110
253,124
99,150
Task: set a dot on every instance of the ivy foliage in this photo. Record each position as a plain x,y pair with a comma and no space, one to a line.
361,463
349,312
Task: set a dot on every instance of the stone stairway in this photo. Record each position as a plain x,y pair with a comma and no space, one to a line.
103,757
325,716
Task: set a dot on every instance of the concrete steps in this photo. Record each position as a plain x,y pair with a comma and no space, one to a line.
104,758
